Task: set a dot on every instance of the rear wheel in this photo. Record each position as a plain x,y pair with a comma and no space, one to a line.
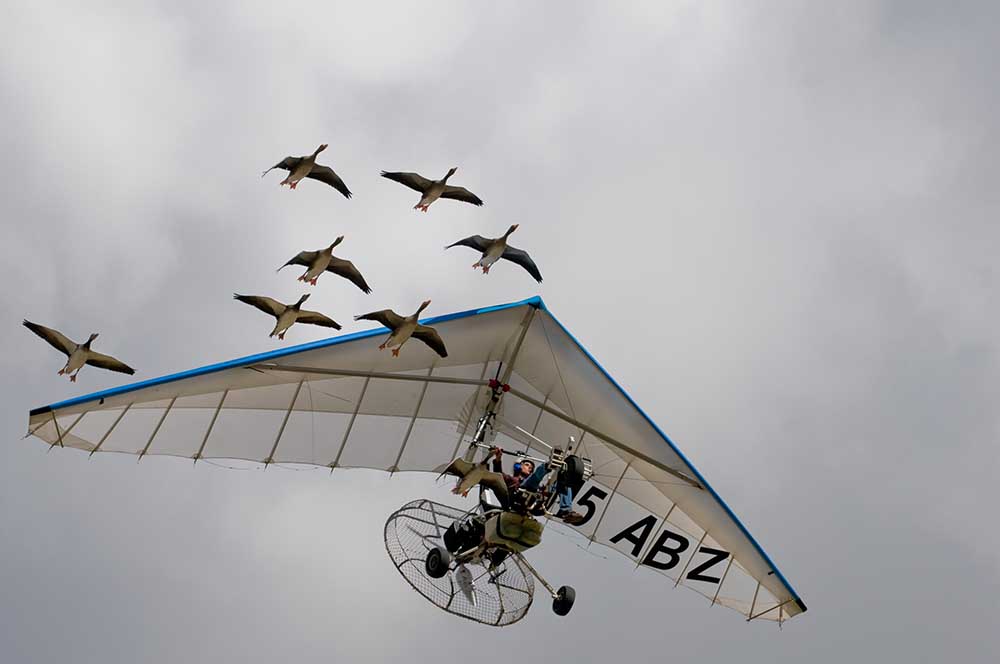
563,601
437,562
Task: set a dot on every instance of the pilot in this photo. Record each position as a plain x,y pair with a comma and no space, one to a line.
522,470
529,477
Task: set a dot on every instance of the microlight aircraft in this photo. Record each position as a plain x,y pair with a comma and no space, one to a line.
514,378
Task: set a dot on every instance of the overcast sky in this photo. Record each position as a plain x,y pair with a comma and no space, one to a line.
774,224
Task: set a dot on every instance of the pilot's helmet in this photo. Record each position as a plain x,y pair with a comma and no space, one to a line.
520,464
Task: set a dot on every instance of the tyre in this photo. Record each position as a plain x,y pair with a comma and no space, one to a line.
563,601
572,473
437,562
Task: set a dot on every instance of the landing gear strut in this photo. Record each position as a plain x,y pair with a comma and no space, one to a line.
562,599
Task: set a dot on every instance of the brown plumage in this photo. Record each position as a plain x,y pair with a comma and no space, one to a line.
431,190
405,327
306,167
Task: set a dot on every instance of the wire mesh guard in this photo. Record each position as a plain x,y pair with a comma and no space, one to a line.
499,598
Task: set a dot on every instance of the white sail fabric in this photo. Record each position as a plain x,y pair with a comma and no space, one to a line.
341,403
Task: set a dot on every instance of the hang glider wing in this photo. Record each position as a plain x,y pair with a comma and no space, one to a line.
341,403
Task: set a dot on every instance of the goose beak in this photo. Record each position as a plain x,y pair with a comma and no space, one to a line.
321,148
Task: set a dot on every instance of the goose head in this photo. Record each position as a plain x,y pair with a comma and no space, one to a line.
301,300
90,339
451,171
510,230
336,242
320,149
423,305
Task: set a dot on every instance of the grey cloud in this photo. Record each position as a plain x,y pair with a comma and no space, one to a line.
798,207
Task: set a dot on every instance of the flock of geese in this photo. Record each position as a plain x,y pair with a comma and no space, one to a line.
321,261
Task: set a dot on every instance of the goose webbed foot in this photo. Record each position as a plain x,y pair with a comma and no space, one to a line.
292,185
72,378
395,352
281,336
312,282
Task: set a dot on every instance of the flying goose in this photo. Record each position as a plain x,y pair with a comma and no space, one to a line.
432,190
306,167
286,314
471,474
77,354
404,328
323,260
496,248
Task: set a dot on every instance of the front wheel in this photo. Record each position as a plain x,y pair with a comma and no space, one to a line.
437,562
563,601
573,472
